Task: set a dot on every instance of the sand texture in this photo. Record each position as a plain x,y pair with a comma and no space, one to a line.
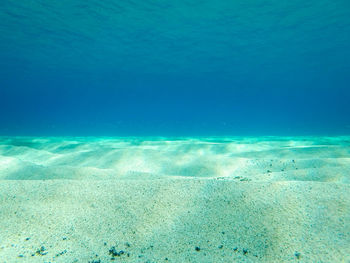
267,199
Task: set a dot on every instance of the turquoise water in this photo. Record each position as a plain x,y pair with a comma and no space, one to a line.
181,68
175,131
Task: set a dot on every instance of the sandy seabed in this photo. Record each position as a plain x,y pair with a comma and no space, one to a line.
255,199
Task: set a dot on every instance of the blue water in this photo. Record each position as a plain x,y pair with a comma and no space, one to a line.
247,67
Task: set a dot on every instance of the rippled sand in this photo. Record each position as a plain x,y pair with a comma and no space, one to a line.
266,199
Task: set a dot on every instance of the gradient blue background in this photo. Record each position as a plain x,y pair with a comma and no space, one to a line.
247,67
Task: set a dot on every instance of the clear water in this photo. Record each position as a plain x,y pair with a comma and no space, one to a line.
183,68
174,131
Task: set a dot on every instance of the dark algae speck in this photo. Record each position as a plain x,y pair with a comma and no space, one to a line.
115,253
61,253
41,251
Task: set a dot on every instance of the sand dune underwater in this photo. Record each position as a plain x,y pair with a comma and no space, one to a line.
141,199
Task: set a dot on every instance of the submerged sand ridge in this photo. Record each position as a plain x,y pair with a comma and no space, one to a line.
161,200
256,159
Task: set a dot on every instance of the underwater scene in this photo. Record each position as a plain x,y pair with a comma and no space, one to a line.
175,131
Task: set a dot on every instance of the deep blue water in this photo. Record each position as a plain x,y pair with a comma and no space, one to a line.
247,67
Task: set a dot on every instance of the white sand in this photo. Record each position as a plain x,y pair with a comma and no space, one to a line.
238,200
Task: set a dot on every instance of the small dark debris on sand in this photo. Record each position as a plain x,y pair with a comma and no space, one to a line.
297,255
245,180
114,253
41,251
61,253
